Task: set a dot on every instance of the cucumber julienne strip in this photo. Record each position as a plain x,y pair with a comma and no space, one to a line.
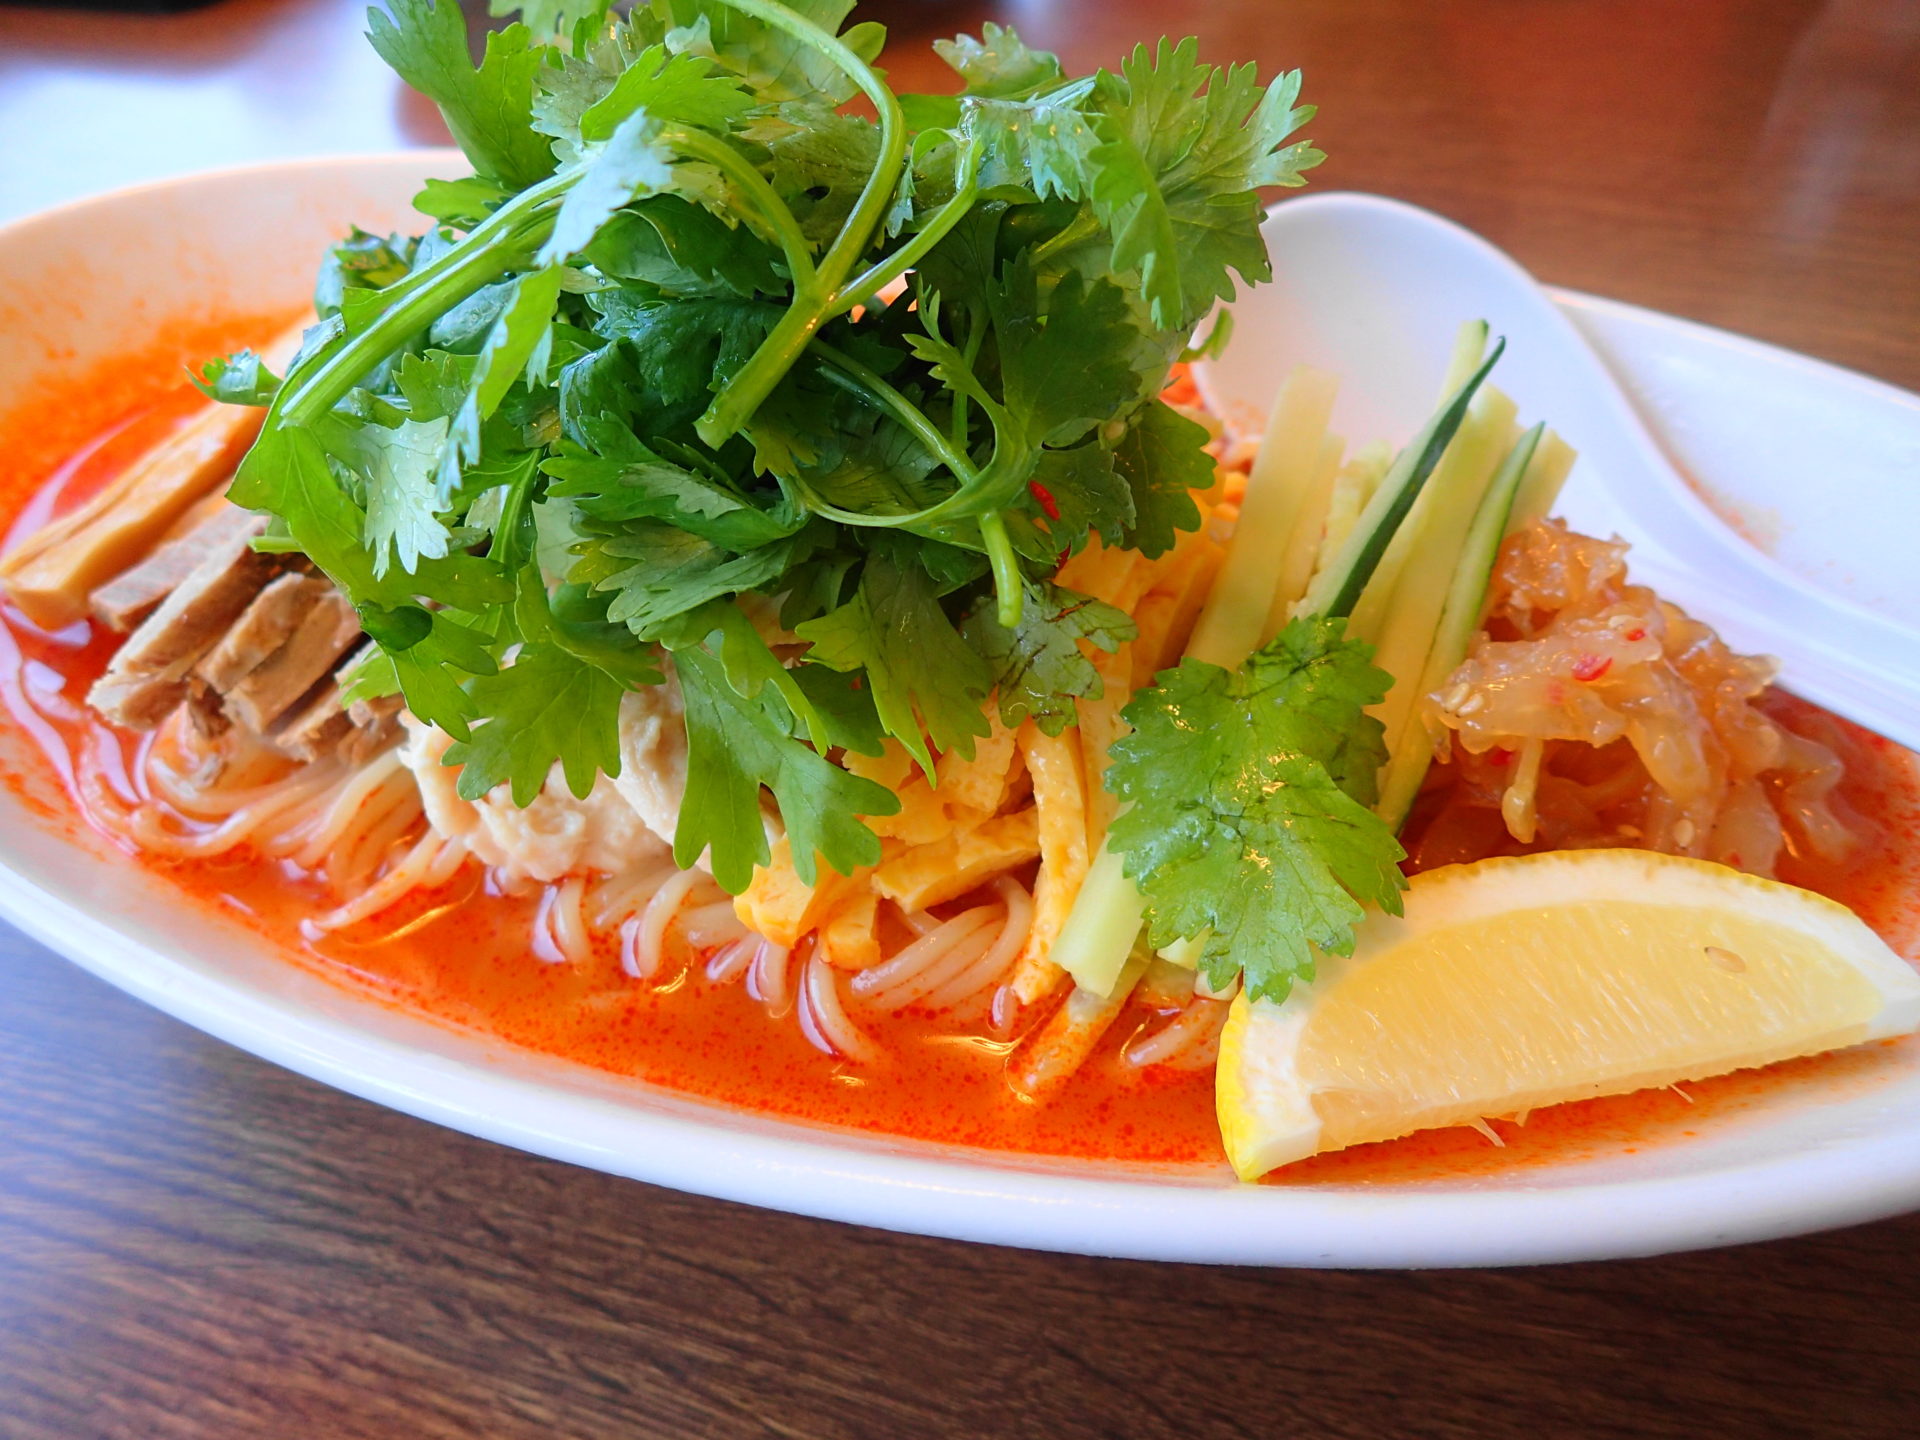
1271,510
1437,531
1335,590
1540,486
1104,925
1302,550
1460,616
1368,620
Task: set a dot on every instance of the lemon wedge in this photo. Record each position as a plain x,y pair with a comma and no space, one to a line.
1514,984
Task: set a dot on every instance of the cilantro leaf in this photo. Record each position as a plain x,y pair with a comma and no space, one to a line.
1238,826
559,701
430,673
550,18
360,262
654,572
462,329
1071,495
1181,147
401,499
681,89
1163,460
237,379
548,705
920,671
1039,668
640,485
1065,367
487,107
634,160
681,351
465,202
1017,104
774,63
735,746
288,474
821,161
998,64
844,706
864,463
1040,145
509,345
684,251
434,384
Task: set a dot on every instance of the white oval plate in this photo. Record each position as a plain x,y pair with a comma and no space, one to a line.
85,281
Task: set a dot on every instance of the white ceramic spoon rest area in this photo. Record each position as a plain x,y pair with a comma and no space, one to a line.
1375,291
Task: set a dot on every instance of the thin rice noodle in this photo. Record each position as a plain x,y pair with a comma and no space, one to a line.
823,1015
928,961
1189,1041
648,950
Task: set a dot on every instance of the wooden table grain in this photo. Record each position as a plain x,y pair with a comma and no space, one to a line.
194,1243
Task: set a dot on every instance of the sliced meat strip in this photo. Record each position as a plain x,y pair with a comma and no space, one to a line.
127,599
367,726
202,708
314,728
376,727
266,624
328,626
148,675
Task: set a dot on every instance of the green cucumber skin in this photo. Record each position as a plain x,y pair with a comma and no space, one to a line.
1340,588
1459,619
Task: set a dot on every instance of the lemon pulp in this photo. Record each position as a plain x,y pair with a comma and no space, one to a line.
1515,984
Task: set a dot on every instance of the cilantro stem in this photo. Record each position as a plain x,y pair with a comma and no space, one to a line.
1008,583
1084,226
504,240
976,333
754,381
843,368
1009,586
770,209
813,304
863,287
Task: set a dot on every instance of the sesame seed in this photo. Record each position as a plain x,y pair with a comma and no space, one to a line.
1683,831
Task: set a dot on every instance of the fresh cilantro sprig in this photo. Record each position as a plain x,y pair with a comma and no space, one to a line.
1039,669
698,346
1249,793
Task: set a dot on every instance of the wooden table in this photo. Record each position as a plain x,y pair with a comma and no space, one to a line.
194,1243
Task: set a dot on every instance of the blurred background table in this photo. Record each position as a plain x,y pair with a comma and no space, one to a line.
193,1243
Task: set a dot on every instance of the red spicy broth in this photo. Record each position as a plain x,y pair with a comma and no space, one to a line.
462,955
